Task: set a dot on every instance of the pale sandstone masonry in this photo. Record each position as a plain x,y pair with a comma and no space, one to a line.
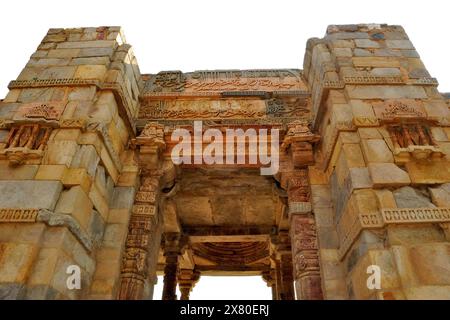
71,190
81,84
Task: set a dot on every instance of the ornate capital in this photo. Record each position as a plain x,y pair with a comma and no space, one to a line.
151,144
299,141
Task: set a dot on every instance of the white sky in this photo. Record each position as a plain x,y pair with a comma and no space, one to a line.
237,34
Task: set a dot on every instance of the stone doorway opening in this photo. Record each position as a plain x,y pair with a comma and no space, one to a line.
223,288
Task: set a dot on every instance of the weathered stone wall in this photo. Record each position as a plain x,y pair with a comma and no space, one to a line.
80,86
380,186
380,189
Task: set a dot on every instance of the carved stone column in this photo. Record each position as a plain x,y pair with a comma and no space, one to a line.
171,253
144,217
186,282
303,235
283,267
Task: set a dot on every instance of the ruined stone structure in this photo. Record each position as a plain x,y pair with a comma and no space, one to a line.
87,179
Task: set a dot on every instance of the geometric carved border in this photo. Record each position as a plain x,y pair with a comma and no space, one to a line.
415,215
18,215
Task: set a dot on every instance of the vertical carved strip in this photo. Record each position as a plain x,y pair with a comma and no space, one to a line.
141,228
304,245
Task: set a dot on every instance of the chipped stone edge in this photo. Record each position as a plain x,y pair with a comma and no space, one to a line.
58,219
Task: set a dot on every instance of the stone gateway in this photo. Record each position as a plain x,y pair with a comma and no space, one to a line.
358,208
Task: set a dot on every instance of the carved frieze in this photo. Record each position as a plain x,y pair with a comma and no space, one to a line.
413,140
215,82
394,110
25,141
42,110
18,215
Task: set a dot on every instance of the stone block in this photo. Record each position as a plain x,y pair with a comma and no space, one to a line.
23,172
16,261
349,137
441,195
51,172
76,203
439,134
96,227
96,52
64,72
342,52
99,201
361,109
359,178
44,267
376,150
115,235
87,44
60,152
369,133
12,291
385,199
408,235
366,43
389,278
7,110
400,44
386,72
385,92
77,177
12,96
429,172
66,134
91,72
90,61
408,197
42,292
376,62
82,93
86,157
353,155
29,194
427,293
387,175
30,233
63,53
431,262
324,217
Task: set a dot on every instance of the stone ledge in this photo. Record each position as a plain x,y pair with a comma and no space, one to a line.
17,215
389,216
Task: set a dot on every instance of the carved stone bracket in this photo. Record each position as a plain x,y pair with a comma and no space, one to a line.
151,144
299,141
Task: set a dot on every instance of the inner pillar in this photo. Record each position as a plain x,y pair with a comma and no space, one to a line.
303,237
186,282
171,253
